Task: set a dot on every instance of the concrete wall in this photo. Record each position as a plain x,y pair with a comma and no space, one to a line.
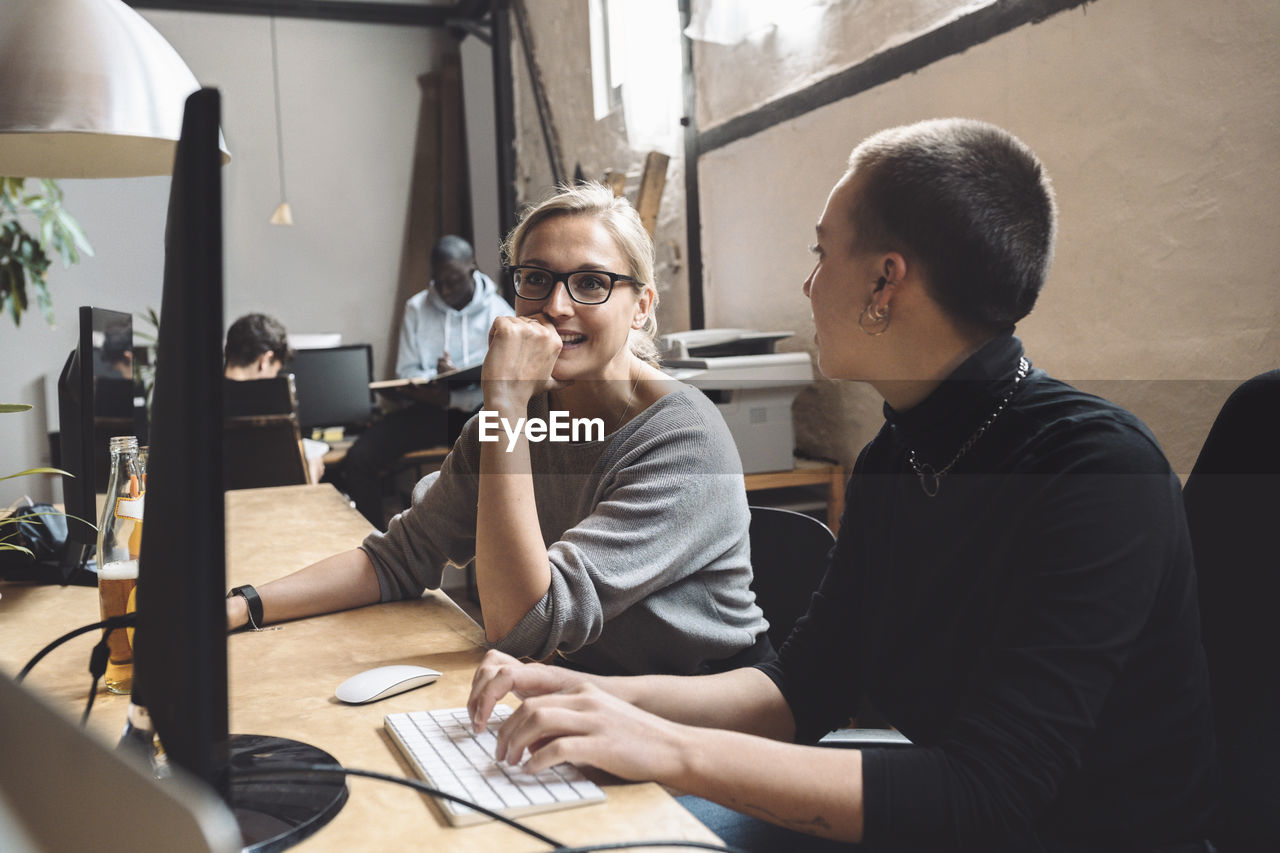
1157,121
350,98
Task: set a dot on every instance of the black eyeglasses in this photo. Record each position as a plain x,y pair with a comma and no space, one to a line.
586,287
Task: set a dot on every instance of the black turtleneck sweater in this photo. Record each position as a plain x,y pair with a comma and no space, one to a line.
1032,628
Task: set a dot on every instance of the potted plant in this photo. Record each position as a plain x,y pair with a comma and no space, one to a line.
24,255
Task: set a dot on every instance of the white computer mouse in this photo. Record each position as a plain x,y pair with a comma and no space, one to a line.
374,684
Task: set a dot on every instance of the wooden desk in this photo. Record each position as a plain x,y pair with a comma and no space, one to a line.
807,473
282,681
338,450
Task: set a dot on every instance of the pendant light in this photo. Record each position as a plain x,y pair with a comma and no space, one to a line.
283,214
88,89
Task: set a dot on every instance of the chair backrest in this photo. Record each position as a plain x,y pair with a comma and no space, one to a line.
788,557
259,397
1232,498
261,442
262,450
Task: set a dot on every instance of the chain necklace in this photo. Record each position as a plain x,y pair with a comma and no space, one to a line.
930,477
622,419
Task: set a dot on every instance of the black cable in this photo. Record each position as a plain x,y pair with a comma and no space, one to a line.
629,845
114,622
338,770
97,659
98,666
289,771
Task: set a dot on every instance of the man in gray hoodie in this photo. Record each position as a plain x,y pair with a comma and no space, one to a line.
445,327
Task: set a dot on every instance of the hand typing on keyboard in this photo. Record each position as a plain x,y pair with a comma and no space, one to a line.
446,753
567,718
500,674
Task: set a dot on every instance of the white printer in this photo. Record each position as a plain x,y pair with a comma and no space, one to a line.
751,385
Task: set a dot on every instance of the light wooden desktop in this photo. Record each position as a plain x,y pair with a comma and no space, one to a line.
282,682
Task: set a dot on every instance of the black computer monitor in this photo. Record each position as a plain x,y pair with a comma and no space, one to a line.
95,402
180,647
332,385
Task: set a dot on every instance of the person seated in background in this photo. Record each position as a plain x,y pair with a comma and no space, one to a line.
624,551
257,347
1012,585
446,327
117,352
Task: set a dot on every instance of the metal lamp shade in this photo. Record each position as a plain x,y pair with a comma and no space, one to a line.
88,89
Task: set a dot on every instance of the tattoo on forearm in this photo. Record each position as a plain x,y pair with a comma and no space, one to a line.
799,824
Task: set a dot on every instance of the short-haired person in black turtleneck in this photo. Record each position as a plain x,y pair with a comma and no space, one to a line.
1012,586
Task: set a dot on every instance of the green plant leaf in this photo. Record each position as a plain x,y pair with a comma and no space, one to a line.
152,319
9,274
37,471
25,257
9,546
14,407
51,512
16,294
44,300
72,229
8,519
46,231
51,189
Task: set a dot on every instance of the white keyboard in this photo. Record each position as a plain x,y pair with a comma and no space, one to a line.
447,755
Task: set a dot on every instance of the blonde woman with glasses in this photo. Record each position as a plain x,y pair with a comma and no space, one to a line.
624,552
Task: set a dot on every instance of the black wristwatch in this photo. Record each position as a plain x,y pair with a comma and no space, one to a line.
250,596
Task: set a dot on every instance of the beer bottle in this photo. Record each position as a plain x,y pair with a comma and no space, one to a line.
135,538
118,553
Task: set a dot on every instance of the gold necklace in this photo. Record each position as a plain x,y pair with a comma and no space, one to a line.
622,419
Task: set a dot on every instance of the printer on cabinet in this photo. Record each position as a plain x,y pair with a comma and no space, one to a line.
752,385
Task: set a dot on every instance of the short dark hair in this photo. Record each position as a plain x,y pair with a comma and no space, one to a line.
451,247
117,343
969,202
251,336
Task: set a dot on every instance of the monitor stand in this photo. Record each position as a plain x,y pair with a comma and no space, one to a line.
274,814
78,565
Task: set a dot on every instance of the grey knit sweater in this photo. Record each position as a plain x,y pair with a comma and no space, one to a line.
646,535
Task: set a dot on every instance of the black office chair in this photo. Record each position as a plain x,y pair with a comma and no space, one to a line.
789,553
274,396
1232,497
261,441
788,557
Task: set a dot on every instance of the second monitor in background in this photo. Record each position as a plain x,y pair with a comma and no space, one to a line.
332,385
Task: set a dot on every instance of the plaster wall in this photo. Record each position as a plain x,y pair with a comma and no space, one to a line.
561,35
1156,120
810,40
350,99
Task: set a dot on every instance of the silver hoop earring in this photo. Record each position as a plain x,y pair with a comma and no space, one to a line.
880,315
